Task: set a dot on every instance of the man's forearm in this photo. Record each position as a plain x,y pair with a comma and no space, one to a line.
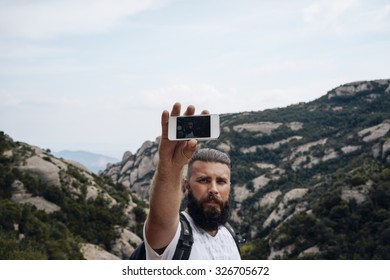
165,195
163,217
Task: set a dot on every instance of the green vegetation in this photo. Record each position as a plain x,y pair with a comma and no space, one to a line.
29,233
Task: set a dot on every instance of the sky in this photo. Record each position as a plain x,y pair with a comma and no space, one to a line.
95,75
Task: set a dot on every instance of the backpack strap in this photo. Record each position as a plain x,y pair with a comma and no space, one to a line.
139,253
236,236
184,245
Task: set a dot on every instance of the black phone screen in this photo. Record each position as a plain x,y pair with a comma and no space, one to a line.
193,127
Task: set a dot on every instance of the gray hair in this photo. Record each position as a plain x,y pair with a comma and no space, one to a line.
208,155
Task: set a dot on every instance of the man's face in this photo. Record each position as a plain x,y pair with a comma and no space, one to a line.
208,188
189,126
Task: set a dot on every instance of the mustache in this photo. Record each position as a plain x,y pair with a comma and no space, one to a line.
212,196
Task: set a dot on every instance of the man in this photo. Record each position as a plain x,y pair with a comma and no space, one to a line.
189,130
207,188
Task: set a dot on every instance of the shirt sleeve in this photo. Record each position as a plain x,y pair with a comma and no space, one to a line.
168,252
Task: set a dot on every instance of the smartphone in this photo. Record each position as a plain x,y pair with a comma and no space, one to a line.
201,127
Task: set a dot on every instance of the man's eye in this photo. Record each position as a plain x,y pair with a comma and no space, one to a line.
203,180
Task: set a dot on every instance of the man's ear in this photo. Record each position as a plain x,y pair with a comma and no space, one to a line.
186,187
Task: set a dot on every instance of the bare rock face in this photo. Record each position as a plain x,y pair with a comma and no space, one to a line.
262,127
358,193
94,252
126,243
381,150
373,133
269,199
350,89
350,149
354,88
386,150
135,171
42,166
303,157
42,169
20,195
284,207
241,192
271,146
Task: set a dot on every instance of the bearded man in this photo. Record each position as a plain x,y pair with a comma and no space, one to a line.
207,188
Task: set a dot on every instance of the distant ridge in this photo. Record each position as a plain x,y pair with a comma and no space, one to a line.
94,162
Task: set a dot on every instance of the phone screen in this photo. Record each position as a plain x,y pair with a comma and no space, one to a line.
193,127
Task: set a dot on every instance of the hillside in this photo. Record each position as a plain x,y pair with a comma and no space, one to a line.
309,181
51,208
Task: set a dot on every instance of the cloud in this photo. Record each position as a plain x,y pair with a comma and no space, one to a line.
384,14
41,19
327,14
31,51
54,67
201,94
128,79
278,67
222,100
8,100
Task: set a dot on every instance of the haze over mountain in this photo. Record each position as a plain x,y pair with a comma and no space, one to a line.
94,162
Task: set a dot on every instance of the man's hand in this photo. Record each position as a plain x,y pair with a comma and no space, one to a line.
176,153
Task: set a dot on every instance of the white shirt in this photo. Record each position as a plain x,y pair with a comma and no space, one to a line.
206,247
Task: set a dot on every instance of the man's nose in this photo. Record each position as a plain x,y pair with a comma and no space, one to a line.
213,187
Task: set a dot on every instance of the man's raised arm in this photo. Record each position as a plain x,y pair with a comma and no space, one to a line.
166,188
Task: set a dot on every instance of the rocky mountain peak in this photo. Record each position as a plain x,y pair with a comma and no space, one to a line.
352,89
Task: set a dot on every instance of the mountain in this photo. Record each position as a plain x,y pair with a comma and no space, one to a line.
309,181
51,208
94,162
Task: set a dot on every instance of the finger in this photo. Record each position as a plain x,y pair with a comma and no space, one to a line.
190,110
164,123
189,148
176,109
205,112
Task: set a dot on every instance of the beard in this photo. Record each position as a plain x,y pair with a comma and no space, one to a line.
205,216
